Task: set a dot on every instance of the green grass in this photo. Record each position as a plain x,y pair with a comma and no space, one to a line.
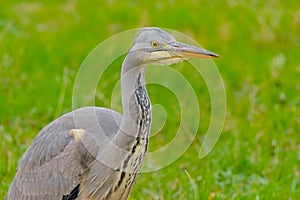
42,45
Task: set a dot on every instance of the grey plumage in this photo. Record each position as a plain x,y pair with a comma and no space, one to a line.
93,152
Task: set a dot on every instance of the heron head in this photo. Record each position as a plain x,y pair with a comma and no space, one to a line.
155,46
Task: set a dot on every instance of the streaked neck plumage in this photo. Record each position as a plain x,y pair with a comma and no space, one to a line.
135,126
132,137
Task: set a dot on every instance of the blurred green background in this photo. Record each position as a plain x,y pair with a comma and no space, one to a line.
42,44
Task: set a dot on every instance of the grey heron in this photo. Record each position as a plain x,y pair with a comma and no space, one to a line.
96,153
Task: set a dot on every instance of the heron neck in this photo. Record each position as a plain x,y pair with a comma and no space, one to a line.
135,100
131,141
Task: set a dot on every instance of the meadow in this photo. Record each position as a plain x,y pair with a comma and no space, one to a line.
43,43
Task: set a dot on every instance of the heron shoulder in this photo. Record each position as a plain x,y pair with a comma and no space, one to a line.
54,137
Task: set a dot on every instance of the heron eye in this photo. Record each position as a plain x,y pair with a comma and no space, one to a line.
154,44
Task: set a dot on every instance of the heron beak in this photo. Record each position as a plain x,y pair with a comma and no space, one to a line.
180,50
177,52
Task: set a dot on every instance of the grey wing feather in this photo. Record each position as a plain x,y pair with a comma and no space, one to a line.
55,163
